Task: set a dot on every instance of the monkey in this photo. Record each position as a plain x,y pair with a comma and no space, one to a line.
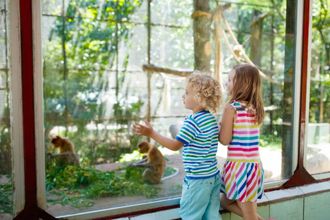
153,162
238,50
66,155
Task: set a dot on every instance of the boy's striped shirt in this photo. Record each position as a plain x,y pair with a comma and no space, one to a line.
199,134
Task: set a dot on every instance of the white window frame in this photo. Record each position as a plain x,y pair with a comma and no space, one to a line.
317,176
16,114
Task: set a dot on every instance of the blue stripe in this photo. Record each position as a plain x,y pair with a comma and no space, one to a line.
199,114
211,129
202,177
206,119
250,170
244,144
191,162
193,125
181,140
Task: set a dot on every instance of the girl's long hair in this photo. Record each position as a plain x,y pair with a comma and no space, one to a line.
247,88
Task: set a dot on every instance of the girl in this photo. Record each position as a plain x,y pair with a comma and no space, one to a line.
243,173
199,138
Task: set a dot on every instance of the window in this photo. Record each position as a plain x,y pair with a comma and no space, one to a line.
108,64
264,34
317,157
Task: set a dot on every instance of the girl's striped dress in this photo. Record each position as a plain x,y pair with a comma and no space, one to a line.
243,174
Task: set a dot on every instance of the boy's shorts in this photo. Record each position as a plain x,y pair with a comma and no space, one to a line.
200,199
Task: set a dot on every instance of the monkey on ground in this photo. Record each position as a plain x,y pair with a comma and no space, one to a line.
153,162
66,155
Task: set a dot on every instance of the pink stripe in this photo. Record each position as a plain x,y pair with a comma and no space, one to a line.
245,115
252,176
237,145
246,132
228,166
227,176
232,189
239,171
252,188
242,155
243,149
241,198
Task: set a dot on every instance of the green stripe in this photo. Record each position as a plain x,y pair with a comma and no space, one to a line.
206,123
202,142
191,155
187,134
241,177
245,138
205,171
208,127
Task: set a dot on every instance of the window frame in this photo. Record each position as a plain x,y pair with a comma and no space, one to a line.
16,119
317,176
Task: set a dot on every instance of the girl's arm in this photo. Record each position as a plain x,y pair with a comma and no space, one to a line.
148,131
226,129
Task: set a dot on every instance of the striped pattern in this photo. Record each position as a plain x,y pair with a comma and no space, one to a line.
243,181
243,175
245,139
199,134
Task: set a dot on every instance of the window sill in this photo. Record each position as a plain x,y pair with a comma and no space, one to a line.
171,210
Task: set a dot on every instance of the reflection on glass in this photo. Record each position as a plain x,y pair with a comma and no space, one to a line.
6,184
317,157
95,88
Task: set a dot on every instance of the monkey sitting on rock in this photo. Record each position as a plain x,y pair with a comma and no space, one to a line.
66,155
153,162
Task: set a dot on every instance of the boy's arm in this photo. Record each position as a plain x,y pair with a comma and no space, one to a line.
226,129
166,142
148,131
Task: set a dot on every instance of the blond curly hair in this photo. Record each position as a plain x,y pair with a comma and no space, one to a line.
207,89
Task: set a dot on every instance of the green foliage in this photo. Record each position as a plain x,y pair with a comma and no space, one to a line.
78,59
5,143
270,141
81,48
5,151
78,186
125,112
320,64
6,201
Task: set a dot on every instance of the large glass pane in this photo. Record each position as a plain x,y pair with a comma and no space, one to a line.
95,88
6,184
317,157
264,34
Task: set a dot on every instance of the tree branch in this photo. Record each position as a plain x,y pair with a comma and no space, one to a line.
150,68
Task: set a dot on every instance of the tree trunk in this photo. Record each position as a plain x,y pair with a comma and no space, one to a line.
256,37
202,30
288,90
65,70
271,86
